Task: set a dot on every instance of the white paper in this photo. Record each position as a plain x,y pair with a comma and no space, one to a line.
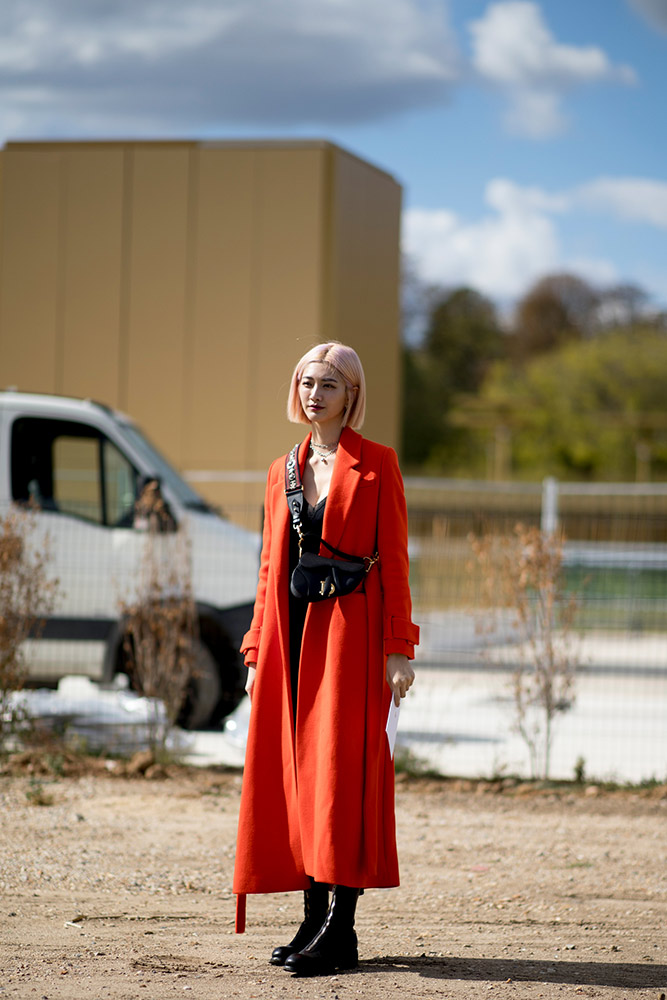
392,725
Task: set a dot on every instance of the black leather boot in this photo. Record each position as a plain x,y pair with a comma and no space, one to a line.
335,945
315,908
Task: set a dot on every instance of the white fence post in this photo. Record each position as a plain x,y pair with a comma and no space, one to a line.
549,521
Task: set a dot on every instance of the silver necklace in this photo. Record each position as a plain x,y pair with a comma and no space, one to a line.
323,451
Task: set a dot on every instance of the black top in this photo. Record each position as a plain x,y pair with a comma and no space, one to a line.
312,518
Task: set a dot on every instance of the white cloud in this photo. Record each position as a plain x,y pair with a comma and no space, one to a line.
536,114
514,50
595,270
655,12
636,199
517,241
512,199
500,254
162,65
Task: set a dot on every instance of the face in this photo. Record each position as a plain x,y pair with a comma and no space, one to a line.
322,392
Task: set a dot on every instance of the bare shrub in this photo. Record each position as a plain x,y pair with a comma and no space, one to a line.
522,572
27,597
161,632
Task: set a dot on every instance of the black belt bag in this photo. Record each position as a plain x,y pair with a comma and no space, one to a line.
315,577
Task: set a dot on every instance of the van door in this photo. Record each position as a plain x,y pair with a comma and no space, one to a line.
85,489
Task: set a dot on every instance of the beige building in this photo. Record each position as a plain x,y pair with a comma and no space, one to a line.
180,281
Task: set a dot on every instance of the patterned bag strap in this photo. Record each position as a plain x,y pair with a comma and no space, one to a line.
294,496
294,491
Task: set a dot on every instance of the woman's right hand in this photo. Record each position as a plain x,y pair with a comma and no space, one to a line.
252,671
400,676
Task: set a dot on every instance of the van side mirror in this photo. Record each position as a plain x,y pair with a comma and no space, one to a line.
151,510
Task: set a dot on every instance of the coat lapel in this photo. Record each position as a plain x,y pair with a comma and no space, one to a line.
303,453
344,482
282,526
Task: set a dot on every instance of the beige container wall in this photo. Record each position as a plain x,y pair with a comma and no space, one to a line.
91,249
180,282
363,295
218,369
31,280
152,363
258,295
288,290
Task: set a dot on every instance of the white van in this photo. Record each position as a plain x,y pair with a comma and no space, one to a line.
81,463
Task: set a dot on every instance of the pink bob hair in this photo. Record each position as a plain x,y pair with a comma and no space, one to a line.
345,361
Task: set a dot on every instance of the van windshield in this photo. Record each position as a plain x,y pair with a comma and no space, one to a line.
163,470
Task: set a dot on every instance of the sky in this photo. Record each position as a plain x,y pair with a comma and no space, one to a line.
529,135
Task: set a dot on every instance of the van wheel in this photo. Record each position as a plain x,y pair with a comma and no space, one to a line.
204,691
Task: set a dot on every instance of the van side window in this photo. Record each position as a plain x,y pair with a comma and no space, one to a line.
77,488
73,468
120,481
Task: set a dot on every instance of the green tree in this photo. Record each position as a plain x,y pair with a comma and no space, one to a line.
588,408
623,305
462,339
422,417
558,308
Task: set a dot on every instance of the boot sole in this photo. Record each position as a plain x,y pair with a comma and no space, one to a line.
323,968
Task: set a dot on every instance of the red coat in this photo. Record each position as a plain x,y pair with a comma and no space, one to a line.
320,802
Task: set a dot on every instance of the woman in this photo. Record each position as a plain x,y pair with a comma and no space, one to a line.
317,806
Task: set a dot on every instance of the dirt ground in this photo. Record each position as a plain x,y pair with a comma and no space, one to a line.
116,887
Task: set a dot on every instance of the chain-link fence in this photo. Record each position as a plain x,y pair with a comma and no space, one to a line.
460,717
463,716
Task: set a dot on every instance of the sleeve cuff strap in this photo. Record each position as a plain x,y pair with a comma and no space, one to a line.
399,646
402,628
250,640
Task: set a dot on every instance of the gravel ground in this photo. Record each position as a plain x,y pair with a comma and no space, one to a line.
120,887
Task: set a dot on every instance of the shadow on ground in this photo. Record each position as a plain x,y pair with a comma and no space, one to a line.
632,975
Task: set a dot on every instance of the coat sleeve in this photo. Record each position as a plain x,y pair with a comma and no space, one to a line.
250,643
400,634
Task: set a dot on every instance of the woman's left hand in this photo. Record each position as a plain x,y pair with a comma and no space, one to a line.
400,675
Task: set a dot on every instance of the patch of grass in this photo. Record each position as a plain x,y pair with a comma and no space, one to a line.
409,763
37,795
55,762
